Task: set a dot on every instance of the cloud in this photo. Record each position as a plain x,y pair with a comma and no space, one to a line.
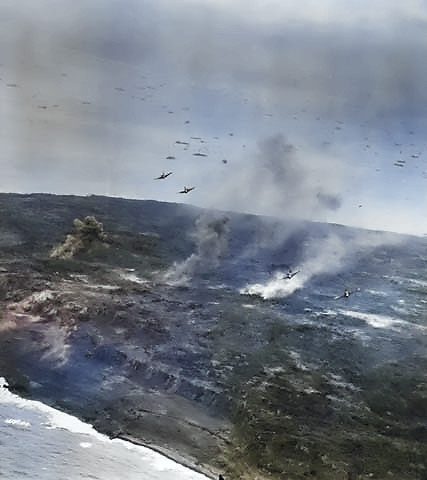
352,66
350,13
96,79
280,55
342,61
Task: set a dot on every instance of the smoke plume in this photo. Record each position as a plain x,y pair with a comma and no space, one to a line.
211,235
331,254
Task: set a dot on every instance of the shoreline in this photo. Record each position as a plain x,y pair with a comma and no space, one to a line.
175,456
172,454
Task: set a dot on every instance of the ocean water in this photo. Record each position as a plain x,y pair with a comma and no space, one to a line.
40,442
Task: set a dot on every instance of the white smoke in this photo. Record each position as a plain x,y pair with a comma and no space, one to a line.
332,254
277,287
211,235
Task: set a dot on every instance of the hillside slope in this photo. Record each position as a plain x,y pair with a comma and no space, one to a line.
180,330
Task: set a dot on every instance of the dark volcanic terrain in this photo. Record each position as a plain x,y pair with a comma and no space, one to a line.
175,327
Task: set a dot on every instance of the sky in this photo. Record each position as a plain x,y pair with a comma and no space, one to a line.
297,109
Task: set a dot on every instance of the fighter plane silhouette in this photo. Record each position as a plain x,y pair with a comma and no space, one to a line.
163,176
346,293
186,189
290,274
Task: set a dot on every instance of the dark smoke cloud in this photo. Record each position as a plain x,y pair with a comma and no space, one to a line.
293,179
280,168
279,158
331,202
281,181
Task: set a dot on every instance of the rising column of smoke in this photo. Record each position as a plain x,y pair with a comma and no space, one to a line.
211,235
327,255
331,254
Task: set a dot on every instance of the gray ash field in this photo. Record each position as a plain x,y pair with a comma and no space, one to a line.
179,329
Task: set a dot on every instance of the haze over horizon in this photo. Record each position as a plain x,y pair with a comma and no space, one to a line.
314,111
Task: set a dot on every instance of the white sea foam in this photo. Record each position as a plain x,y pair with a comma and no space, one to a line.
54,418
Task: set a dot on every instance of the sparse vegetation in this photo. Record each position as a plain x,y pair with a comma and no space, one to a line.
306,397
284,431
296,420
295,424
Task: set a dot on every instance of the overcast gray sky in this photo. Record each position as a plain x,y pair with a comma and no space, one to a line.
299,109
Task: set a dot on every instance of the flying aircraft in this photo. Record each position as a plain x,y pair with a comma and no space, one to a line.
163,176
346,293
186,189
290,274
